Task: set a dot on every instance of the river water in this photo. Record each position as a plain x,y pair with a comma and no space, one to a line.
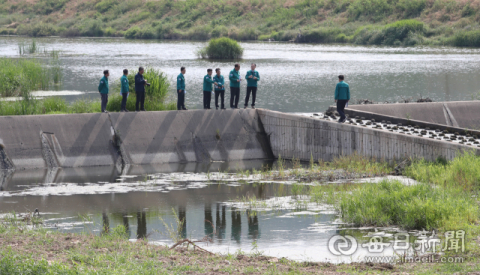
294,77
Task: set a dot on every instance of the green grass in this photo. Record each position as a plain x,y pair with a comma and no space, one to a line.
420,206
462,172
318,21
20,76
221,48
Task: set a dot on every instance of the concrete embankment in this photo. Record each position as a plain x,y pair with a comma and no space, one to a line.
124,139
295,136
456,115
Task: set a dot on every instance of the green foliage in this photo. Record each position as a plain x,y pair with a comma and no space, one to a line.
222,48
19,76
42,29
467,39
419,206
49,6
463,172
91,27
404,32
105,5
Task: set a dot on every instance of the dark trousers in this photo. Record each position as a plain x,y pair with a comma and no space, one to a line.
124,101
140,101
234,96
104,101
220,93
341,107
180,99
207,98
252,90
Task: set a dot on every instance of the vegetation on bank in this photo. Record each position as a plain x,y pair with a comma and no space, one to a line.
155,100
20,76
378,22
221,48
37,251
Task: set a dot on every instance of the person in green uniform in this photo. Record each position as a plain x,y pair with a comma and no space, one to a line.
342,96
103,90
252,78
207,89
125,87
235,79
219,88
181,89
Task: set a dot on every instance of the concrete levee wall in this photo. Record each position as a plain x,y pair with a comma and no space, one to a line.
295,136
56,141
191,136
122,139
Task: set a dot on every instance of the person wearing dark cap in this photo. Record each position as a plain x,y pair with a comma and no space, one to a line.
219,88
342,96
234,86
140,84
181,89
103,90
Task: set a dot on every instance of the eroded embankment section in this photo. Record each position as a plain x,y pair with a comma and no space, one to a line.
122,139
295,136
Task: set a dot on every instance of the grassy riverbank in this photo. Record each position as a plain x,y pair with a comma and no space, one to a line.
436,22
41,251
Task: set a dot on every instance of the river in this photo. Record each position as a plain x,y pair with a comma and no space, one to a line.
294,77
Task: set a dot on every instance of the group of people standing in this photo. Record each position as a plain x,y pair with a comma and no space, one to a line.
140,84
342,89
218,81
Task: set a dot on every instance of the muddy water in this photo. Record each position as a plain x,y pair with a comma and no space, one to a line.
234,214
294,77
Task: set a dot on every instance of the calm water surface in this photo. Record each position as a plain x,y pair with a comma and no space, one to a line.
294,77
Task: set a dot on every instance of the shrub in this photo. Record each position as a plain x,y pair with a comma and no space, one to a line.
221,48
132,32
219,31
467,39
91,27
105,5
109,31
42,29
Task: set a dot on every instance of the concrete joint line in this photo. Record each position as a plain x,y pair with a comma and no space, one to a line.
118,144
48,153
450,116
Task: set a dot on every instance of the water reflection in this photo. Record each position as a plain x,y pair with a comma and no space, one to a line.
221,222
141,225
236,225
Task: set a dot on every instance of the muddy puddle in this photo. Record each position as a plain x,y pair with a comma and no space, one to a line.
233,214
